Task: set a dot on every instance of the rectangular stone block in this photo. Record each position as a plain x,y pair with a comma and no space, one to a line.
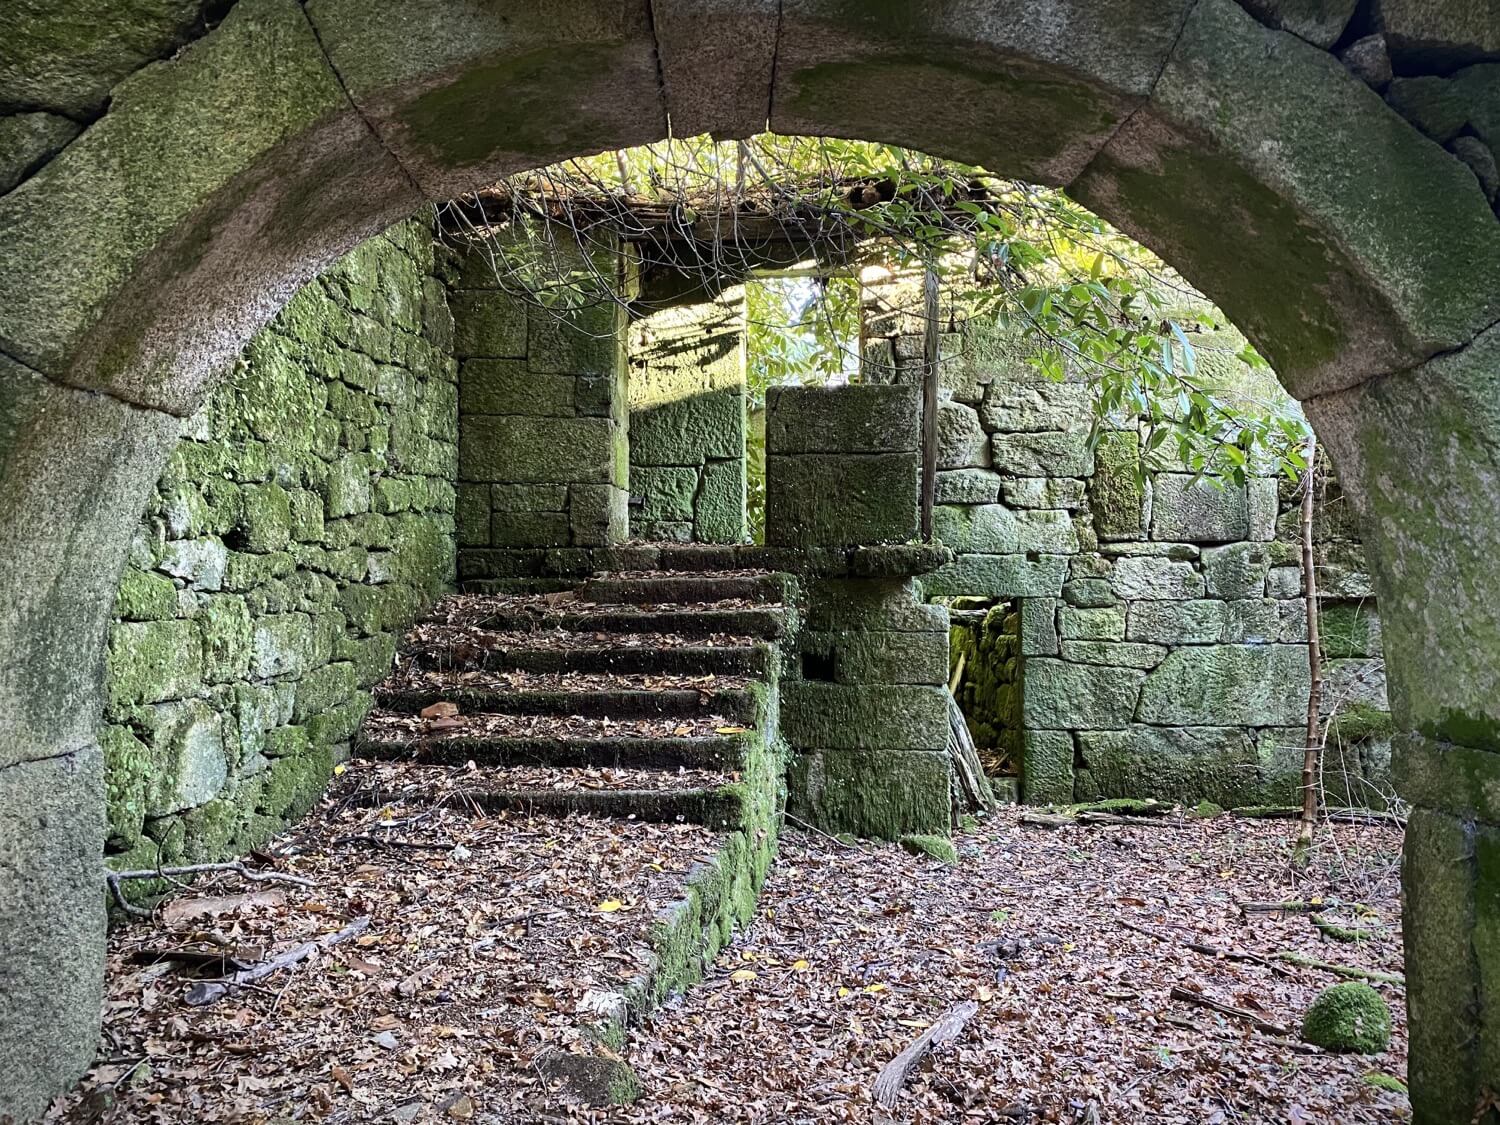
1223,685
886,604
969,486
1039,627
1047,767
487,324
536,450
1236,570
1198,510
528,497
1106,623
999,576
587,342
875,657
529,529
665,492
1117,493
1196,622
1035,405
877,793
598,515
1057,695
994,529
1219,764
1042,492
1042,455
1121,654
509,386
719,512
828,716
841,499
689,431
850,419
1148,578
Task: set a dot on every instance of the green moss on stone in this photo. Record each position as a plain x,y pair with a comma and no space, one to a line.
939,848
1348,1017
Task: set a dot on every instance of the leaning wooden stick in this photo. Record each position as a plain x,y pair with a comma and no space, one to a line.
206,992
892,1077
1188,996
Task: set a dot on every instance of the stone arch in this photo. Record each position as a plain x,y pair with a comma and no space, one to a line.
1361,257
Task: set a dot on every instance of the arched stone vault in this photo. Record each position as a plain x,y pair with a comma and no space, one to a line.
1360,256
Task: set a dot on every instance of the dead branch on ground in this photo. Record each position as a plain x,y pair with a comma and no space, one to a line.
892,1077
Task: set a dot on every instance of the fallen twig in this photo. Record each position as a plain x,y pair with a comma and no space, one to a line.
1188,996
206,992
1209,950
1353,972
113,879
892,1076
1336,932
1290,1044
1088,818
1293,906
814,828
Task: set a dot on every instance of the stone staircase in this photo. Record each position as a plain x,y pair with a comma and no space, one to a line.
648,696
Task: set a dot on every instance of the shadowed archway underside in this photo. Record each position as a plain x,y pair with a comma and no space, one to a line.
1357,254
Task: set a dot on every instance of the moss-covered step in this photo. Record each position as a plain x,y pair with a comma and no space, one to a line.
660,589
692,621
734,705
712,806
643,658
721,752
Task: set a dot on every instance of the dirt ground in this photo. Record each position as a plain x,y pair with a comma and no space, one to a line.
491,937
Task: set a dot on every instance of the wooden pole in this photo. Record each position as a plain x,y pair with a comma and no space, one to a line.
929,398
1312,754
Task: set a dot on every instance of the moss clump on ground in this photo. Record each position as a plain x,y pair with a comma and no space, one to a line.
1207,810
1385,1082
939,848
1350,1017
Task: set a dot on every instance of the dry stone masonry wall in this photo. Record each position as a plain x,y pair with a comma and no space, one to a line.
687,412
304,519
542,455
1163,634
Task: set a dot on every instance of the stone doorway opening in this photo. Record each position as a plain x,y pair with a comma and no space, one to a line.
984,676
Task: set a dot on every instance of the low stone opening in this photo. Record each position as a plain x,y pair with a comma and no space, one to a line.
984,675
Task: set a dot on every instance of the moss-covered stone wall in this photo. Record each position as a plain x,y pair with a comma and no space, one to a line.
687,411
542,454
305,517
984,654
1163,639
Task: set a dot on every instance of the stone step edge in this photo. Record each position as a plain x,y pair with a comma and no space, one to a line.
735,705
720,807
767,589
757,623
724,751
752,659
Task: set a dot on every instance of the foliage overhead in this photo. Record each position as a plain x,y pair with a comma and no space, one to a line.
1087,300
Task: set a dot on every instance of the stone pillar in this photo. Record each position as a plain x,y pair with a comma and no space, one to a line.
865,710
75,468
1417,453
687,411
542,455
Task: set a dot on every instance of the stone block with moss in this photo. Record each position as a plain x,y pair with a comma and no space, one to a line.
537,450
1060,696
879,793
1116,491
832,500
1349,1017
690,430
854,419
834,716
